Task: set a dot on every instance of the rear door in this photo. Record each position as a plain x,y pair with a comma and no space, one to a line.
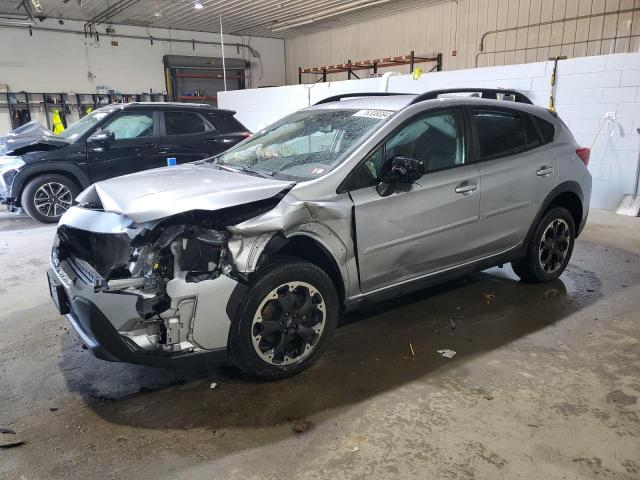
188,136
134,148
518,170
429,225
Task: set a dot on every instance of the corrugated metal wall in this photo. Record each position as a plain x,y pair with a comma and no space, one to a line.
460,26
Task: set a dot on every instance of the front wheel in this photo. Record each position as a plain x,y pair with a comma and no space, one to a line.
47,197
288,320
550,248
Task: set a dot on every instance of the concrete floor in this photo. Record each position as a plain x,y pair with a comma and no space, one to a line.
544,385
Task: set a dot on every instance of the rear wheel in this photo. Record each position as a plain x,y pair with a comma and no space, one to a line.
47,197
287,321
550,248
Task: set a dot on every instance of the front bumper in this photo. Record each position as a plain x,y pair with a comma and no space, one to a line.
97,317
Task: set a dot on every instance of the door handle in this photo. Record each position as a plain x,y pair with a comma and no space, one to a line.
466,187
544,171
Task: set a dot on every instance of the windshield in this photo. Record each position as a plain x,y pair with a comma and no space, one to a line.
83,125
304,145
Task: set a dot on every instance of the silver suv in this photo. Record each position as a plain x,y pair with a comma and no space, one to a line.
257,252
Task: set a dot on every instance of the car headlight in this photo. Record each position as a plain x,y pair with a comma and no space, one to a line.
8,163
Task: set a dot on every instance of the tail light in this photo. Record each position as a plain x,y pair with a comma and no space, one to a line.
245,134
584,153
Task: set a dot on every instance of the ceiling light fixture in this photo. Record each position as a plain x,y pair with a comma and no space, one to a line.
198,5
331,12
157,13
37,5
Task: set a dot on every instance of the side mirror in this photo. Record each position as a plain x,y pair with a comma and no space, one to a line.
399,170
102,137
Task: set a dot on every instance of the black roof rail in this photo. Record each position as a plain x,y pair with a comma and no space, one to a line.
486,93
337,98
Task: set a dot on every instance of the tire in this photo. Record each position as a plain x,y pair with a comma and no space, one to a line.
549,250
267,343
58,188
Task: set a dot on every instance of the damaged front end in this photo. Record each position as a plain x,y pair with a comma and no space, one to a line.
137,293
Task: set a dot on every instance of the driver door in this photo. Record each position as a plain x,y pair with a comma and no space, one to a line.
424,227
134,148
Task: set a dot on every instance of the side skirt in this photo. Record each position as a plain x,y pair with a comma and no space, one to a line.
436,278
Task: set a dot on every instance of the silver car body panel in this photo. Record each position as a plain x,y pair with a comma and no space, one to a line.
162,192
207,325
427,229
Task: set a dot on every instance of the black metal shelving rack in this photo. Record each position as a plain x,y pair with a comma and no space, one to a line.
65,102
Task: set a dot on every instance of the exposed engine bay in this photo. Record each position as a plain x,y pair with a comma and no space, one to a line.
155,267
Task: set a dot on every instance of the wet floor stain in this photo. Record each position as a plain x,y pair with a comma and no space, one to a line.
382,377
621,398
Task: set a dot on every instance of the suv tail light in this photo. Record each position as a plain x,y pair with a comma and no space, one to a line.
584,153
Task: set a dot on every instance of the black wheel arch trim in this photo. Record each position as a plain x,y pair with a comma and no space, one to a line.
29,172
565,187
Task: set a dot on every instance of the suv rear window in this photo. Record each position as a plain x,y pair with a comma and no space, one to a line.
225,123
183,123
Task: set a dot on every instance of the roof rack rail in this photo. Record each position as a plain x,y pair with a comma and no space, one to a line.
486,93
337,98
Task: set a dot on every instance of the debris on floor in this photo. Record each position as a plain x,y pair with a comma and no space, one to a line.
488,397
300,427
7,430
213,385
6,446
453,325
489,297
53,409
355,449
413,353
447,353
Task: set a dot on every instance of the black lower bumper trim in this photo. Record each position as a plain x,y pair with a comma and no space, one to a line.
106,343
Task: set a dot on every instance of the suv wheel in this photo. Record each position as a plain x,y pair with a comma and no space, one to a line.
550,248
47,197
288,320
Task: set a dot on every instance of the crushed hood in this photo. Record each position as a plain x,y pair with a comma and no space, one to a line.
160,193
31,137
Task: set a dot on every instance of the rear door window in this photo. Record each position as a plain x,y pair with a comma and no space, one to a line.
183,123
530,133
500,133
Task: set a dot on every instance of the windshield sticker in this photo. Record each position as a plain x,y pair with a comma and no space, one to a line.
380,114
317,171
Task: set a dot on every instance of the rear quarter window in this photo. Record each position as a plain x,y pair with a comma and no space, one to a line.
225,123
547,129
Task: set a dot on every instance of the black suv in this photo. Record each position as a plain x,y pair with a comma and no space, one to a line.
42,173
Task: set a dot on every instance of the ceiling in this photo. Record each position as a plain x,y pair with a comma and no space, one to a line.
267,18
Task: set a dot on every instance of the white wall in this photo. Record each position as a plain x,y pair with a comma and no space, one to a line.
459,25
59,62
588,88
